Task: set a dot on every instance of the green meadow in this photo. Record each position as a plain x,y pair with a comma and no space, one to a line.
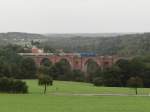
66,101
81,88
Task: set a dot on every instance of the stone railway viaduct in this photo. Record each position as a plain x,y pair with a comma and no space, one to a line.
75,60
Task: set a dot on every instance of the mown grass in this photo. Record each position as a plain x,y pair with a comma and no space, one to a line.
48,103
35,101
82,88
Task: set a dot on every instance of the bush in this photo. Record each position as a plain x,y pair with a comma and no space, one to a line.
78,75
135,82
98,81
10,85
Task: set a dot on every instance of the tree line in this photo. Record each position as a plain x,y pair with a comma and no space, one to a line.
133,73
124,73
14,67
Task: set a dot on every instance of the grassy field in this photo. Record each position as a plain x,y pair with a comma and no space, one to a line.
35,101
82,88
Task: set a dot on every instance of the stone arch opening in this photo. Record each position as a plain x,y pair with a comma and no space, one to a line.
90,63
66,62
63,69
46,62
90,68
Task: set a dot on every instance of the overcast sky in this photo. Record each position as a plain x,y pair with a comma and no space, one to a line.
74,16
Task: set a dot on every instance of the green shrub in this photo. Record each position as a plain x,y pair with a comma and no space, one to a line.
98,81
10,85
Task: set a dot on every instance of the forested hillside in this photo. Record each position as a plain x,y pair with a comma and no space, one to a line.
103,44
124,45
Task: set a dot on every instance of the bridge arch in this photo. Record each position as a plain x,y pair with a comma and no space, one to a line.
90,62
76,62
65,59
87,61
91,66
46,62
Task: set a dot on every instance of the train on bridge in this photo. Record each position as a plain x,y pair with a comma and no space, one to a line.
82,54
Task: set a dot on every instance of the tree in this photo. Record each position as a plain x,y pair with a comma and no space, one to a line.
137,67
112,77
131,68
44,70
9,62
46,81
78,75
125,70
62,70
135,82
92,68
28,68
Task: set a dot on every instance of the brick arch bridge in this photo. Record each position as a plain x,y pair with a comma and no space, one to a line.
75,60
